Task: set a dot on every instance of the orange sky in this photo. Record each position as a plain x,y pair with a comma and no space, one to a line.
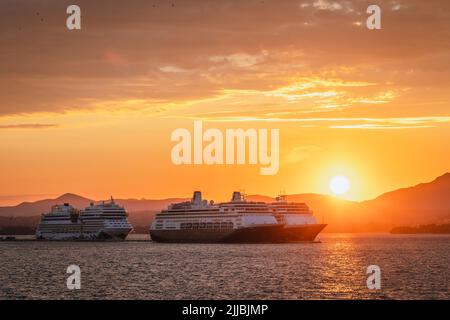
91,111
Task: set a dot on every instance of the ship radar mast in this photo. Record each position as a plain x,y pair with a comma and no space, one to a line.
281,196
243,195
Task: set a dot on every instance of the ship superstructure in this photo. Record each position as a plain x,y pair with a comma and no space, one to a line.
199,221
104,221
298,220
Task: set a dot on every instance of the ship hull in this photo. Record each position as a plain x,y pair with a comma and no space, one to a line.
300,233
255,234
105,234
118,234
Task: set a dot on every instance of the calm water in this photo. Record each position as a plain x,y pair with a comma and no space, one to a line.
412,266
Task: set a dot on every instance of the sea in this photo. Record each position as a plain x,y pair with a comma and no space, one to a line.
334,267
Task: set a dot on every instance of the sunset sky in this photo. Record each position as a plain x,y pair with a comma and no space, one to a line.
91,111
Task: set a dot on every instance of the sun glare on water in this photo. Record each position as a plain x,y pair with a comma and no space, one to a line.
339,185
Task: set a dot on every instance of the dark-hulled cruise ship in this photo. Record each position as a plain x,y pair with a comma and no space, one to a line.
238,221
200,221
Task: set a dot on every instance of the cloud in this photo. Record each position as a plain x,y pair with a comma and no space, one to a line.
300,153
397,6
28,126
327,5
373,126
305,95
173,69
150,52
339,122
239,60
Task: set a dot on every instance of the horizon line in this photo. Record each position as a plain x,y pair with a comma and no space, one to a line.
184,197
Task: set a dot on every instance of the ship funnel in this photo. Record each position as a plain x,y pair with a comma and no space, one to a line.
74,215
197,198
236,196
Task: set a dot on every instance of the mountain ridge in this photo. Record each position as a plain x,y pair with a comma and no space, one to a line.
423,203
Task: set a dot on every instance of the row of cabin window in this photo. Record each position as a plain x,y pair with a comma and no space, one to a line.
209,225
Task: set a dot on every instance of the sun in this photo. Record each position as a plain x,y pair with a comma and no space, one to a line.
339,185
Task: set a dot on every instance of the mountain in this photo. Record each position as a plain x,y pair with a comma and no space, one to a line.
23,218
43,206
133,205
426,203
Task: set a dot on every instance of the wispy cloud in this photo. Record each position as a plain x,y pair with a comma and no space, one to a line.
28,126
374,126
327,5
345,123
265,49
172,69
300,153
240,60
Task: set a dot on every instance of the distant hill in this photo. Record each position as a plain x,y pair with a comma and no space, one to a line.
23,218
133,205
426,203
43,206
429,228
18,225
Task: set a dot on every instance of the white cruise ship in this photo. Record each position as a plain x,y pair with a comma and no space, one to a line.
200,221
97,222
298,220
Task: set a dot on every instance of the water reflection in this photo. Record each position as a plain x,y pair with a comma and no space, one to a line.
413,267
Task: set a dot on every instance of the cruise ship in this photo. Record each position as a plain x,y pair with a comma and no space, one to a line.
298,220
201,221
105,221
